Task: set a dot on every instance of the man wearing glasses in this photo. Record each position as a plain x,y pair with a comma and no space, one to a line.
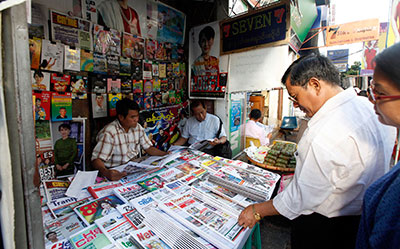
343,150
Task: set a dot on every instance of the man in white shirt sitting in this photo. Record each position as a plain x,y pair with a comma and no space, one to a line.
254,130
202,126
343,150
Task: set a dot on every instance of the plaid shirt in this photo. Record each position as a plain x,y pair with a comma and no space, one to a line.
115,146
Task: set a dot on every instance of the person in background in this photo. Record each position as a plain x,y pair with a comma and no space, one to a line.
380,219
202,126
254,130
343,150
65,151
121,140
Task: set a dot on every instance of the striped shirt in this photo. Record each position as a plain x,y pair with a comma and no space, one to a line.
115,146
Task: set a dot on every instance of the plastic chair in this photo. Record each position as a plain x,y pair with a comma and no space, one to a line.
254,238
255,141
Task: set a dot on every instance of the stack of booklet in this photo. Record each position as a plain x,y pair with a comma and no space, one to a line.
186,200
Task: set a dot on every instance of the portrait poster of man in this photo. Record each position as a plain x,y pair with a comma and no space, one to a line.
204,61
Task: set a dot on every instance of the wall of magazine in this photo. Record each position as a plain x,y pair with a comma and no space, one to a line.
87,55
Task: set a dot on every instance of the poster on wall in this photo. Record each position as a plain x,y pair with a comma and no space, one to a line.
204,61
164,23
161,126
236,113
235,122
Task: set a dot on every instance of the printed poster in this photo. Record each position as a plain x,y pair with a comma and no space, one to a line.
112,103
86,61
52,56
99,105
42,105
40,80
72,58
35,47
236,113
204,61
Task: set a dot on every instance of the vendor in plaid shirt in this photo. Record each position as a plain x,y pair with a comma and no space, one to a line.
120,141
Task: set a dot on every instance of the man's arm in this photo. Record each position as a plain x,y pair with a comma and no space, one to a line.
111,174
247,219
153,151
181,141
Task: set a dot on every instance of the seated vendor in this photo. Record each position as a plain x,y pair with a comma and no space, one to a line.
202,126
119,141
254,128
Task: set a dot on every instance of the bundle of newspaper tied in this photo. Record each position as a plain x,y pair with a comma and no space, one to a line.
188,199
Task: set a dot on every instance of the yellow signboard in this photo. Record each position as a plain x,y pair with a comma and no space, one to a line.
353,32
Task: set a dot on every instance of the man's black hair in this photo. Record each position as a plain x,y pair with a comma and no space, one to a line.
255,114
195,103
124,105
304,68
47,235
208,32
65,126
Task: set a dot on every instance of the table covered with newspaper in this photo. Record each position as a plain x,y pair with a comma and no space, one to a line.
188,199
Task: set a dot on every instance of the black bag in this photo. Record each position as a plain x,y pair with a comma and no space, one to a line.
222,150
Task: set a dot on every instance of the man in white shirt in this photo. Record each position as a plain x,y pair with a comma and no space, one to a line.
257,131
343,150
202,126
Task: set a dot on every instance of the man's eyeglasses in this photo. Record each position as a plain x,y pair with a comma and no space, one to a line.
373,97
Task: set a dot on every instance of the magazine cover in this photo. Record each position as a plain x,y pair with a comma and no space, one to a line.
148,86
45,164
99,105
61,107
90,237
112,103
65,206
113,85
162,70
99,84
103,189
62,228
147,239
72,58
148,100
137,71
169,70
43,136
175,69
157,99
60,82
113,64
161,53
138,48
79,86
35,49
101,40
125,66
93,210
137,86
172,97
165,98
156,85
151,47
55,189
115,226
139,99
129,192
115,43
52,56
60,244
86,61
128,96
99,63
126,85
152,184
42,105
127,45
147,69
168,50
132,215
155,69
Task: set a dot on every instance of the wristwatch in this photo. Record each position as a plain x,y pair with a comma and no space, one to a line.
257,216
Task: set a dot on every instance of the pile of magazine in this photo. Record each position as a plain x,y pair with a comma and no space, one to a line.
186,200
